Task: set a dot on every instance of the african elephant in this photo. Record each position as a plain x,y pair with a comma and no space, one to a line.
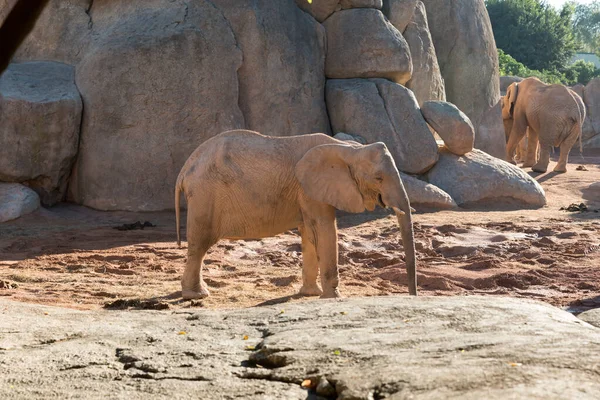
554,115
241,185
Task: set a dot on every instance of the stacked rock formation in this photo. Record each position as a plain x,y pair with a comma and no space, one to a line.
127,89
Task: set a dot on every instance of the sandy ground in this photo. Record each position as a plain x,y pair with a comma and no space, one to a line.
72,256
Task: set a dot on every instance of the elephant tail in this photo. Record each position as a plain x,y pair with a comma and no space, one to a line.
178,189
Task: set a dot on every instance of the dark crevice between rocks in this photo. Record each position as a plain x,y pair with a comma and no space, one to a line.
237,71
197,378
88,11
82,366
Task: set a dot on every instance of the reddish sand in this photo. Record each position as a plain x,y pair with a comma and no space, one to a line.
71,256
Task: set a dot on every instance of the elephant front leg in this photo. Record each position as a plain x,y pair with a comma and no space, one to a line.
319,226
327,254
310,264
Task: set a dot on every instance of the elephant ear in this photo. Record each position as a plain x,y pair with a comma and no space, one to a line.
512,93
325,176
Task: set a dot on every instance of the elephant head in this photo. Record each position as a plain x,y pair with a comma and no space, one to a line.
509,101
508,107
352,178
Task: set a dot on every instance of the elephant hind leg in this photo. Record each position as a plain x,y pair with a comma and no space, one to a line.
544,160
199,241
565,148
310,264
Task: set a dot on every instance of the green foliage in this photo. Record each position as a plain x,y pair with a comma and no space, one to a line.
533,32
510,66
586,25
583,71
578,72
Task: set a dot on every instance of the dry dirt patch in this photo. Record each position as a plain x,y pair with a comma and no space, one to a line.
74,257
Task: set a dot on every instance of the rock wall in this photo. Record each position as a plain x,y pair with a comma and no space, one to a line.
159,77
466,52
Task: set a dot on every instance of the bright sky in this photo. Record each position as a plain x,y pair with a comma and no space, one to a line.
559,3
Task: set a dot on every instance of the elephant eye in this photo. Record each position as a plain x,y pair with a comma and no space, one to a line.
379,178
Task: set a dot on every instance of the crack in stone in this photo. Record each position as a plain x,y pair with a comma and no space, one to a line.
239,47
197,378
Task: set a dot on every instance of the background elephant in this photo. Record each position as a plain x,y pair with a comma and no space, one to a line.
241,185
554,115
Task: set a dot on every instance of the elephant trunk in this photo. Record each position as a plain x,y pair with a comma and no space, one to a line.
408,242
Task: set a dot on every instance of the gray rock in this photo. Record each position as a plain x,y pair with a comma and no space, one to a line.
591,98
478,177
592,317
399,12
453,126
376,347
490,136
40,115
16,200
61,33
5,7
281,95
159,79
592,143
506,81
346,4
426,194
382,111
362,43
347,137
322,9
426,81
466,52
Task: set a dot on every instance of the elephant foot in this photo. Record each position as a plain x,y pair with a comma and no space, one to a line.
539,168
195,294
331,294
560,169
310,290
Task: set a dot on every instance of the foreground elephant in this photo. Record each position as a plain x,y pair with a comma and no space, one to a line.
554,115
241,185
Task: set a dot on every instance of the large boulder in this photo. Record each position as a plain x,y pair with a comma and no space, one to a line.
506,81
399,12
159,79
426,81
322,9
40,115
61,33
591,98
477,177
587,130
362,43
380,110
389,347
282,78
466,52
16,200
592,317
451,124
422,193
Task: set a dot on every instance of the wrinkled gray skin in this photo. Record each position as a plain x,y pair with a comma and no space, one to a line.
244,185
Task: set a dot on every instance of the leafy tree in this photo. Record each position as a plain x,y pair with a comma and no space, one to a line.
533,32
586,25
